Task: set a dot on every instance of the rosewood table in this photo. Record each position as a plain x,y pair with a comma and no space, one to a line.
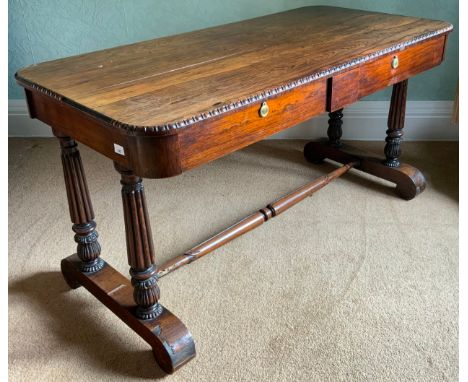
161,107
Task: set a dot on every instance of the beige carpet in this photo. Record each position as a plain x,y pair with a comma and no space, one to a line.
353,284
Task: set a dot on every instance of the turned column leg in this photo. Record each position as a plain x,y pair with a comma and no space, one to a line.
396,121
140,249
81,209
335,131
170,340
409,180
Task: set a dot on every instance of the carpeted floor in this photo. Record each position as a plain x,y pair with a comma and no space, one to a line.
353,284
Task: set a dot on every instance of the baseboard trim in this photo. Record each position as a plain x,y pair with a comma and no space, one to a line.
365,120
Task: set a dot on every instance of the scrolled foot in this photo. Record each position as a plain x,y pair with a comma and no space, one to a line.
410,182
173,345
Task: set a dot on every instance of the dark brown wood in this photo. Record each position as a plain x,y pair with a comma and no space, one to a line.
350,86
157,113
343,89
81,209
396,122
170,113
252,221
140,248
170,340
334,130
149,156
151,84
409,180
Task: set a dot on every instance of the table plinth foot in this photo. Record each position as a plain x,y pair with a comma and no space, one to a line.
172,343
68,276
313,156
409,180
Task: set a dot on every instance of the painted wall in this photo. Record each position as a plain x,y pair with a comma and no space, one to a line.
41,30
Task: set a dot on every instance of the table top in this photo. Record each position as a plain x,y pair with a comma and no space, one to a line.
173,82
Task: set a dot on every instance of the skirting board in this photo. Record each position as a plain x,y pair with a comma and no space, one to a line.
365,120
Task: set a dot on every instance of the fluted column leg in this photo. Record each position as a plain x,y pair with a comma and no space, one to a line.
396,122
140,249
81,209
170,340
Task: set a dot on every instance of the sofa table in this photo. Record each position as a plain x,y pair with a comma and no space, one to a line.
160,107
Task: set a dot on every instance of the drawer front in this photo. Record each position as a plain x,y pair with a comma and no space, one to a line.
219,136
350,86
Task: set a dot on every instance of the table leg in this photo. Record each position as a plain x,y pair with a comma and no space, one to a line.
81,209
135,303
140,248
396,121
409,180
334,130
177,343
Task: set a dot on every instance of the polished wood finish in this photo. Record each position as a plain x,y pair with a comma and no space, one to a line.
350,86
170,340
161,107
396,122
148,156
171,113
140,248
225,134
252,221
80,207
409,180
154,83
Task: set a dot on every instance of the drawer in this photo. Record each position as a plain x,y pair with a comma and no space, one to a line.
350,86
218,136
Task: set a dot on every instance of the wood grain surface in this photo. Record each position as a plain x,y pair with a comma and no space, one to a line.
169,338
179,80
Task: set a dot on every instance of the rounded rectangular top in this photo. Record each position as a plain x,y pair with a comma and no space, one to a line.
176,81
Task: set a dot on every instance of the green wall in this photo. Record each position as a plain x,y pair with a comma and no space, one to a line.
41,30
